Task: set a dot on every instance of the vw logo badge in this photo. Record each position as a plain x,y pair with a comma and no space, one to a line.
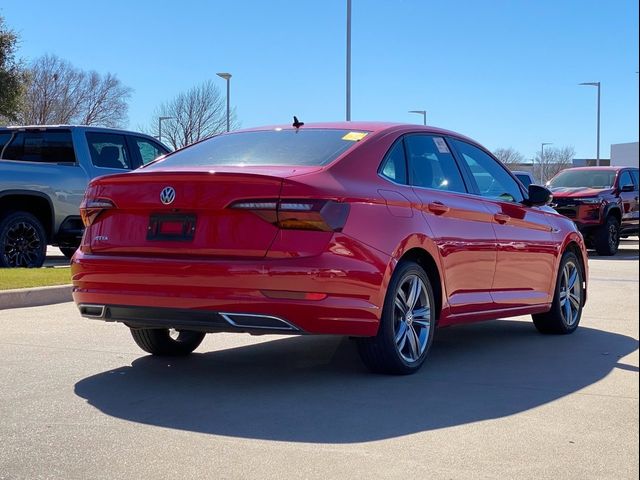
168,195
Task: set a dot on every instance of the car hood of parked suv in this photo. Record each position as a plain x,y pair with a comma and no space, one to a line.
576,192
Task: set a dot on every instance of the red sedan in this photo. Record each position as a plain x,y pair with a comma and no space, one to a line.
377,231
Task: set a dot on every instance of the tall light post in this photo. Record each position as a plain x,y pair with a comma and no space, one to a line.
227,77
596,84
160,119
423,113
348,61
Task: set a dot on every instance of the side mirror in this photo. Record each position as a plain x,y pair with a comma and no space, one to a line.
628,188
538,196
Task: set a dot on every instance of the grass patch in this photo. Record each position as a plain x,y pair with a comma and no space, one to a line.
33,277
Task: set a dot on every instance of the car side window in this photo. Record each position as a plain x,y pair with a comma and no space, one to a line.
394,166
431,164
625,179
149,150
634,174
491,177
55,146
108,150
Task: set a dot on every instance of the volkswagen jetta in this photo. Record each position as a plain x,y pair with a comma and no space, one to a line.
381,232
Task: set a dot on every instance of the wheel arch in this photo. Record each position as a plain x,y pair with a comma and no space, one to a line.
36,203
575,245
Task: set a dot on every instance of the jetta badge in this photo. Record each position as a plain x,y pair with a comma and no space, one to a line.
168,195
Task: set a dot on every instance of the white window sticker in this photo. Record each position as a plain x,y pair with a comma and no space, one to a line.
441,144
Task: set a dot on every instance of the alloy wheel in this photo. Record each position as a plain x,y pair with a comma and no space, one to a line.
570,293
22,245
412,318
614,238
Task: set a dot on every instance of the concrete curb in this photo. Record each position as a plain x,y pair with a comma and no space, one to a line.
32,297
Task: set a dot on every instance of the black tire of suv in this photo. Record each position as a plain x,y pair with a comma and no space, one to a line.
553,321
158,341
603,242
381,354
68,251
22,223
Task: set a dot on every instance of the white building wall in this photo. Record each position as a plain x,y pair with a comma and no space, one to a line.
624,154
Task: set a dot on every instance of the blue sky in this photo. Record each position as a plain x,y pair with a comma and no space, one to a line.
502,72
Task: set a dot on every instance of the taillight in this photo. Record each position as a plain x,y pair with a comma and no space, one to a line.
292,214
91,208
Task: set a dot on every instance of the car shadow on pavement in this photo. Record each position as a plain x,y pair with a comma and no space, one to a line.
315,389
629,250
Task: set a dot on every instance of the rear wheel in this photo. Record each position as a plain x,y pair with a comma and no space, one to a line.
23,241
566,308
406,327
607,237
167,342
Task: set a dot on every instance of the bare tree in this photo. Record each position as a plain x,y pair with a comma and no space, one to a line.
509,156
554,160
60,93
194,115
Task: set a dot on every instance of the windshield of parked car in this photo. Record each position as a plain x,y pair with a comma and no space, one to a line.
595,178
524,179
312,147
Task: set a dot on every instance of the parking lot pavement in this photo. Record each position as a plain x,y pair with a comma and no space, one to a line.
55,258
495,400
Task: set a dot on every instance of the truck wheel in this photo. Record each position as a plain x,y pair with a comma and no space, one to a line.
23,241
607,237
566,308
68,251
166,342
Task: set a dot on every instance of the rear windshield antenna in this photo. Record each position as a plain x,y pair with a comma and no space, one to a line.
297,123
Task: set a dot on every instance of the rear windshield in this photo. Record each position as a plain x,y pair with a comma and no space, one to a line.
266,147
595,178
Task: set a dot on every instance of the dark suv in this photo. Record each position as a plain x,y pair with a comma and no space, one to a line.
602,201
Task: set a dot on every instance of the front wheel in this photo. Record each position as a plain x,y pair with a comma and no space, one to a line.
607,237
566,309
406,326
167,342
68,251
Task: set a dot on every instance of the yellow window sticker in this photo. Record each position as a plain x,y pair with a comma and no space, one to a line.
354,136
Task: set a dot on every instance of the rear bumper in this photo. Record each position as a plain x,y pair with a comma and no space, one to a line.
347,287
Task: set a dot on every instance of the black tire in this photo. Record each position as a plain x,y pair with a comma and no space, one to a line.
68,251
23,241
403,341
159,341
558,320
607,238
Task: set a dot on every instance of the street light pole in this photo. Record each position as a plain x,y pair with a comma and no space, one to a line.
227,77
596,84
348,96
160,119
423,113
542,150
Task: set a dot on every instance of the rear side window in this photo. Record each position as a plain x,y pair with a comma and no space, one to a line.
108,150
149,150
4,138
394,166
491,177
266,147
431,164
54,146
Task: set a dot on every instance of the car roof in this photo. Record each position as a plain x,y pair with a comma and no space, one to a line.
368,126
613,168
71,127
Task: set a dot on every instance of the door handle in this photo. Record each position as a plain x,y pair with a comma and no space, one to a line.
438,208
501,218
